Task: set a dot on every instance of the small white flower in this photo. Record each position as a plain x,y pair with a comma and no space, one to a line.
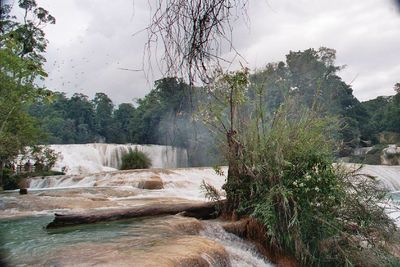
316,189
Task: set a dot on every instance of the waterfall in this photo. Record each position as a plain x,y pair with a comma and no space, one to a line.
92,158
389,176
360,151
241,252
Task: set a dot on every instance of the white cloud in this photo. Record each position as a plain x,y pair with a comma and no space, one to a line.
93,39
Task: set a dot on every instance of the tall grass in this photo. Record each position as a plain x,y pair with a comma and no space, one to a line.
319,212
135,159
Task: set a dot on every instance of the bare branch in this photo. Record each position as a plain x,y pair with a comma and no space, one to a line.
193,34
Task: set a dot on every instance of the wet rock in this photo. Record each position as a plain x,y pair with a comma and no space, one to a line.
190,226
250,229
176,251
23,191
389,138
391,155
153,183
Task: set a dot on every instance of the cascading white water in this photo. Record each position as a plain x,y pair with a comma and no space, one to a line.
92,158
362,150
182,183
241,252
120,189
389,176
191,177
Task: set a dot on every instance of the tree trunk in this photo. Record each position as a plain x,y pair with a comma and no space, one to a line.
232,183
205,210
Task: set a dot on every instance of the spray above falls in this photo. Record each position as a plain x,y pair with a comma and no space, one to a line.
96,157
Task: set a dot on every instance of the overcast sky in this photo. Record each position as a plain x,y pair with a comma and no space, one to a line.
92,39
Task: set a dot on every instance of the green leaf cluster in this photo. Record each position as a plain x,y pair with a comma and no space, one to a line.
282,173
135,160
21,65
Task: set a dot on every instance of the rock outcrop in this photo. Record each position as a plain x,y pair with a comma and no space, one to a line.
391,155
152,183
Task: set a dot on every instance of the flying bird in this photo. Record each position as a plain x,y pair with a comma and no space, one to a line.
129,69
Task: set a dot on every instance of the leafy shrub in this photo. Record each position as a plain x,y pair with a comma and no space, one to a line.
44,158
13,181
135,160
321,214
10,182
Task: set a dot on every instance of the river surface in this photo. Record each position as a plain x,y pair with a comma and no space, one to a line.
98,157
153,241
156,241
121,243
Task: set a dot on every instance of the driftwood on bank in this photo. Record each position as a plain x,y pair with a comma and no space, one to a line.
204,210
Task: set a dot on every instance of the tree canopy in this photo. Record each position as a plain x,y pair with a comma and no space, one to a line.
22,44
165,115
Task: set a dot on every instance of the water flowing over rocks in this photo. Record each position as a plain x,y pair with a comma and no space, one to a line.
180,183
250,229
162,240
362,150
97,157
154,182
171,251
384,154
389,176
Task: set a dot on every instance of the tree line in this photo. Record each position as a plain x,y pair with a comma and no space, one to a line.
168,115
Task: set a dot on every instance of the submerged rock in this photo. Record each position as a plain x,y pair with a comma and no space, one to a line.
152,183
169,252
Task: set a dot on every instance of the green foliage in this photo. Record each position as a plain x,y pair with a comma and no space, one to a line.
135,160
163,117
174,113
103,115
44,158
21,65
383,114
210,192
281,172
319,213
220,112
12,181
311,77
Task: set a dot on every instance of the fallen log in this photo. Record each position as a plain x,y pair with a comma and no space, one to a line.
203,210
